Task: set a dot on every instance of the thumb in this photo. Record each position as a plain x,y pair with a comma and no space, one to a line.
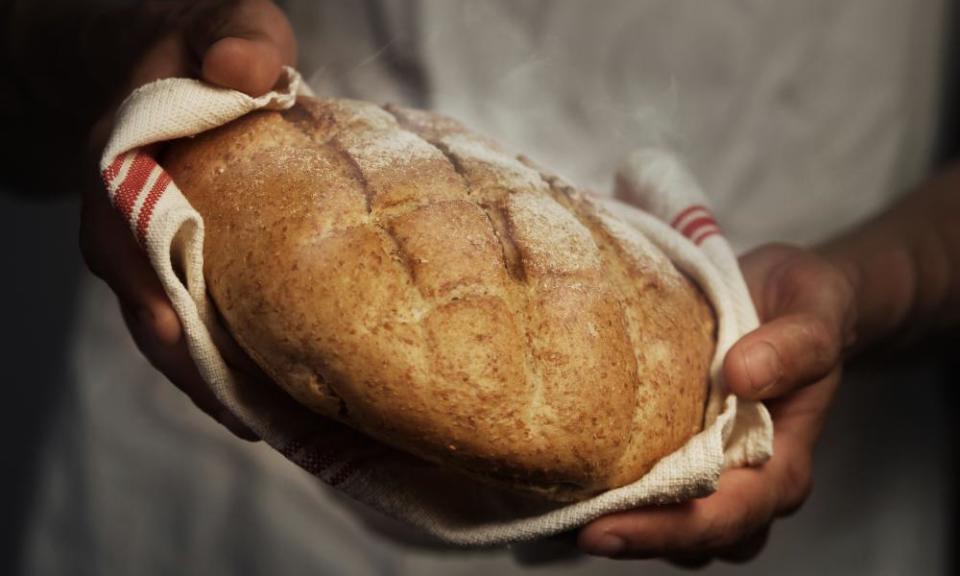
782,355
808,310
242,44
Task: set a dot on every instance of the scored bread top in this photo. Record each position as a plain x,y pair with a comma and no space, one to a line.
399,273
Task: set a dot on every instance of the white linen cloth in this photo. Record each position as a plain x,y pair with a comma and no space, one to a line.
447,505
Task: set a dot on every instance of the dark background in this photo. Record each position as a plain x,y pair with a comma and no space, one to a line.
40,266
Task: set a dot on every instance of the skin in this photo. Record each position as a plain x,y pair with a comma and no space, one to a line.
895,274
240,45
894,279
793,362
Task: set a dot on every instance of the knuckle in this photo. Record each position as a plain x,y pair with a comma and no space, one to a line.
845,296
801,268
804,269
837,286
808,349
838,283
819,337
793,277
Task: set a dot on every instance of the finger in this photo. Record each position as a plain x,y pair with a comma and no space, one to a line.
781,355
251,66
745,503
808,308
242,45
112,254
175,362
801,415
786,279
167,58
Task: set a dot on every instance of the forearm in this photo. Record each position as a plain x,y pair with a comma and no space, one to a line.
905,264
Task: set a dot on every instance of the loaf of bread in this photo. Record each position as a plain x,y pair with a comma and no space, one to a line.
396,272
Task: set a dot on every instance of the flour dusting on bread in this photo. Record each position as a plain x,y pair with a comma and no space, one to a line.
392,270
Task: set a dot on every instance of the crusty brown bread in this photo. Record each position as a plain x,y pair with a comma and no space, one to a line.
394,271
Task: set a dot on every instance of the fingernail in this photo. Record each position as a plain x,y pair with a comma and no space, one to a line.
609,545
763,366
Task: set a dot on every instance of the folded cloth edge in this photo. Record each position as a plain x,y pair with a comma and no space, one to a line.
673,215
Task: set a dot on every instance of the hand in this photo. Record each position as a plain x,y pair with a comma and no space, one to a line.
241,45
792,362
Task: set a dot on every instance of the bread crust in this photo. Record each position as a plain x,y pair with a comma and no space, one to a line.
394,271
